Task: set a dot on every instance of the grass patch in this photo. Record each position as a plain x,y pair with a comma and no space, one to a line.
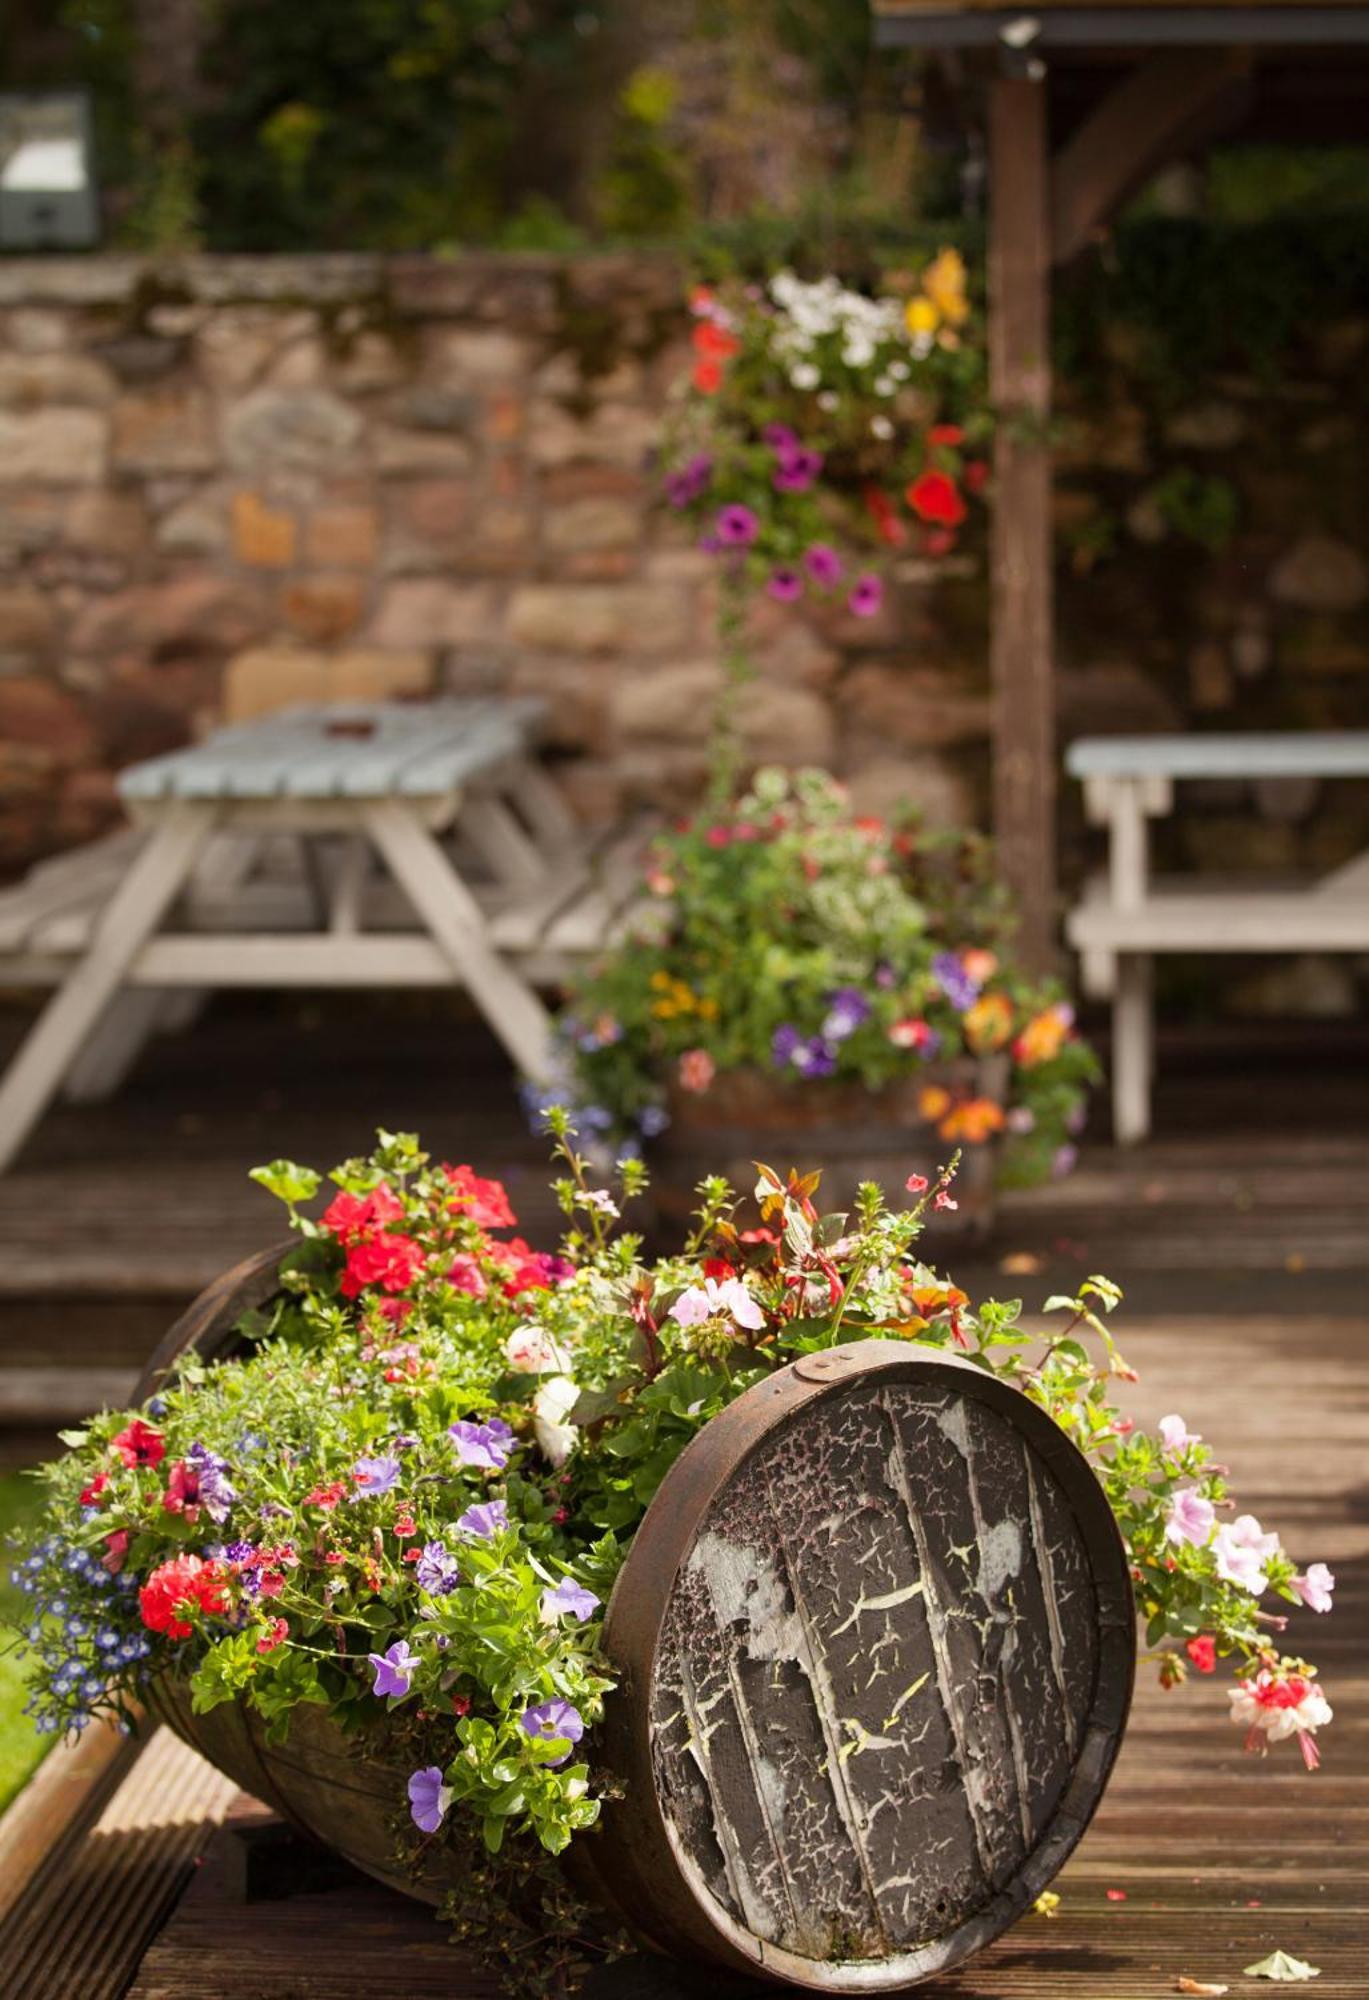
21,1748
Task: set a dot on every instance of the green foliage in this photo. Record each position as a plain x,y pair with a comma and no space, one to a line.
1203,507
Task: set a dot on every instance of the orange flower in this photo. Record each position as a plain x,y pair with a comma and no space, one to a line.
974,1121
1044,1035
988,1023
980,965
933,1102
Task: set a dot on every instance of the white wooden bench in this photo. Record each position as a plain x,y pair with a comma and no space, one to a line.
382,845
1125,917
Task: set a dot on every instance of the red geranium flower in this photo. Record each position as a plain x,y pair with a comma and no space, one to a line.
949,435
707,377
976,474
392,1262
350,1216
139,1444
183,1585
486,1202
90,1495
934,496
275,1633
1203,1653
714,342
887,523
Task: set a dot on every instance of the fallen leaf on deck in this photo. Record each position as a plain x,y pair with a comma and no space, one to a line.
1183,1984
1283,1965
1047,1904
1021,1264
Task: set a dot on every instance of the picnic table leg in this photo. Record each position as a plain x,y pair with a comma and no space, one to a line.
132,914
457,924
114,1044
1132,1049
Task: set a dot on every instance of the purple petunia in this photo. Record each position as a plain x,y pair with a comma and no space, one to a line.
488,1447
867,596
785,584
393,1669
553,1722
810,1055
781,439
737,527
437,1570
951,976
847,1010
684,487
485,1520
569,1599
823,564
797,470
373,1476
429,1798
216,1493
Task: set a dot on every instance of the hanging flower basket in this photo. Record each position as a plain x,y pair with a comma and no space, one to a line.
773,1591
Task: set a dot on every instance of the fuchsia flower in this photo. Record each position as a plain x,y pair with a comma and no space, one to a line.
1315,1586
1242,1552
1278,1703
1190,1517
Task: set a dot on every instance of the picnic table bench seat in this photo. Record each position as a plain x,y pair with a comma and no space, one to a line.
376,845
1125,916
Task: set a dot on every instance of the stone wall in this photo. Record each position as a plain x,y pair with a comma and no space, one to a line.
237,481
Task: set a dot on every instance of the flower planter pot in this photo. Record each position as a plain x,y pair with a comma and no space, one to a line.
852,1133
875,1641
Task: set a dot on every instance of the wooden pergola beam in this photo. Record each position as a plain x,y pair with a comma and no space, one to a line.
1021,647
1171,102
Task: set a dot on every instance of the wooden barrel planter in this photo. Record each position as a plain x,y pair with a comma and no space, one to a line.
853,1133
875,1639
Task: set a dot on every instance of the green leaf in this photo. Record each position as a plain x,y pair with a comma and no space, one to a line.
1060,1302
1283,1966
74,1438
287,1182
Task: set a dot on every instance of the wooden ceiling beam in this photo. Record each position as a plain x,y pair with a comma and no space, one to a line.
1172,101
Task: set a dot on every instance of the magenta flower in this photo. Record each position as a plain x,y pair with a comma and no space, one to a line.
486,1446
1315,1587
785,585
1190,1517
796,471
393,1669
782,440
1242,1552
554,1722
737,527
429,1798
568,1600
867,597
823,564
684,487
484,1521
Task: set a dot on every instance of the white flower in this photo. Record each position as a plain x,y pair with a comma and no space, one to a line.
881,427
828,400
1264,1707
884,385
530,1350
601,1199
553,1403
1315,1587
805,376
1242,1551
899,370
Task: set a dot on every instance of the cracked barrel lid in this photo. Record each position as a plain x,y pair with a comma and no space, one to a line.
876,1638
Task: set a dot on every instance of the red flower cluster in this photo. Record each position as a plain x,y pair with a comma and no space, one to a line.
139,1444
712,343
182,1494
1203,1652
276,1632
935,497
384,1259
178,1588
485,1202
351,1217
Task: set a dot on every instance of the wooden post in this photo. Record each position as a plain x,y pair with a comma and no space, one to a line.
1022,639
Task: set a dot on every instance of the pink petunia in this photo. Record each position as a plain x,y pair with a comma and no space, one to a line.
1315,1586
1190,1517
1242,1551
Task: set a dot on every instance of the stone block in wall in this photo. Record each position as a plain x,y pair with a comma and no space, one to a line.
264,537
167,430
197,525
323,609
1113,698
28,625
38,713
106,522
307,430
299,364
457,356
32,381
431,612
931,785
55,447
34,330
498,290
914,707
613,433
563,483
140,358
234,344
587,618
576,694
266,679
395,450
369,361
1321,573
676,704
198,613
343,537
593,524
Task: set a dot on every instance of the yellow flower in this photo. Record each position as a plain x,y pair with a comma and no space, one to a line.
988,1023
944,283
709,1009
661,981
1047,1904
921,316
933,1102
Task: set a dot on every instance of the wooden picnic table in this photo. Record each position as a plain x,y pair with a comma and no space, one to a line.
253,862
156,1879
1126,916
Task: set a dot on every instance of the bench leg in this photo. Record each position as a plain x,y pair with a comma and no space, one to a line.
114,1045
131,915
456,923
1132,1049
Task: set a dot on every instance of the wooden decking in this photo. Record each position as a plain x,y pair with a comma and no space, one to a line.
175,1888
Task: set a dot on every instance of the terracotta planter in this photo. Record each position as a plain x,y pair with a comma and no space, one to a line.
875,1642
854,1134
